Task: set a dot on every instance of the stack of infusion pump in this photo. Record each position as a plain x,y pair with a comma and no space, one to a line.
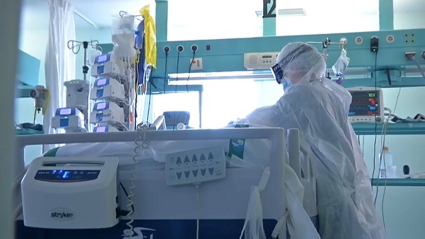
113,91
109,94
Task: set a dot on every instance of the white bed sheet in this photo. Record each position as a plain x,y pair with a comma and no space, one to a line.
256,151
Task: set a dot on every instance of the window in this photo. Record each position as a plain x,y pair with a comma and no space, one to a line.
177,102
223,101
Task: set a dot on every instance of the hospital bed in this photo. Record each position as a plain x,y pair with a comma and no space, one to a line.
161,211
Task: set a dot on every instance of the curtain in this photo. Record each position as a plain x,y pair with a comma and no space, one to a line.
60,61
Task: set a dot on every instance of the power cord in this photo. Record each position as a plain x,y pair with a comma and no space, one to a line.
412,57
166,50
179,50
197,186
383,142
126,212
194,49
376,123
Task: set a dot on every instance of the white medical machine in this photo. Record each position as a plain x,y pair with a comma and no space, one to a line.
367,105
107,88
74,116
77,94
259,61
104,129
39,94
108,65
71,193
106,112
70,119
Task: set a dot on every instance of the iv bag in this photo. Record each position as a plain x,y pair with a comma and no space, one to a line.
341,64
92,56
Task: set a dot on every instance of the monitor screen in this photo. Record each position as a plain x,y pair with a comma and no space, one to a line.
101,129
64,112
101,106
365,103
102,58
101,82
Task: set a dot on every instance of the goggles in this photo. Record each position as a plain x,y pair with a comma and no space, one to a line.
277,69
277,72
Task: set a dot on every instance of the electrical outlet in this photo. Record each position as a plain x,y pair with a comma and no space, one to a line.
410,55
196,64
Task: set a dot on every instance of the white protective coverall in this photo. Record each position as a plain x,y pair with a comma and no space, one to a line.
319,108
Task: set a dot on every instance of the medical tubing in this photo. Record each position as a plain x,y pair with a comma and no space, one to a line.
190,69
129,231
279,225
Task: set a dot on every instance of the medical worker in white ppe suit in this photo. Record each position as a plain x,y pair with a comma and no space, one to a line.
319,108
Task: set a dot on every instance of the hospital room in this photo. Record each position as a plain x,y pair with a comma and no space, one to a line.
204,119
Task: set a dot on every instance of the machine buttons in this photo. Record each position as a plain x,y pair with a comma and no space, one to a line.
199,162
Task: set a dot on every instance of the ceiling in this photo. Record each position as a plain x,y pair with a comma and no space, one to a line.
35,13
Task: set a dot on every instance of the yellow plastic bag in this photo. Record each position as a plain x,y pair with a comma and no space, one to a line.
150,36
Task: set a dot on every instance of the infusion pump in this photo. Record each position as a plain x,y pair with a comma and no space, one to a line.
367,105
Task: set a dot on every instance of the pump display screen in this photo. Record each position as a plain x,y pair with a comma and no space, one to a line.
102,58
65,112
365,103
101,129
101,82
63,176
101,106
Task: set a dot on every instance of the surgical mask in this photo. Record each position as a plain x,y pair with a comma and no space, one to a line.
285,84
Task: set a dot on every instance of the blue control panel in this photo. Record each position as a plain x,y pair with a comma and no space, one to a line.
102,59
101,82
63,176
65,112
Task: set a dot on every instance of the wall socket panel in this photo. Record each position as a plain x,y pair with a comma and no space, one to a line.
196,64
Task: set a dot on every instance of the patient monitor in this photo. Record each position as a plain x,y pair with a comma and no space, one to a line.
367,105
